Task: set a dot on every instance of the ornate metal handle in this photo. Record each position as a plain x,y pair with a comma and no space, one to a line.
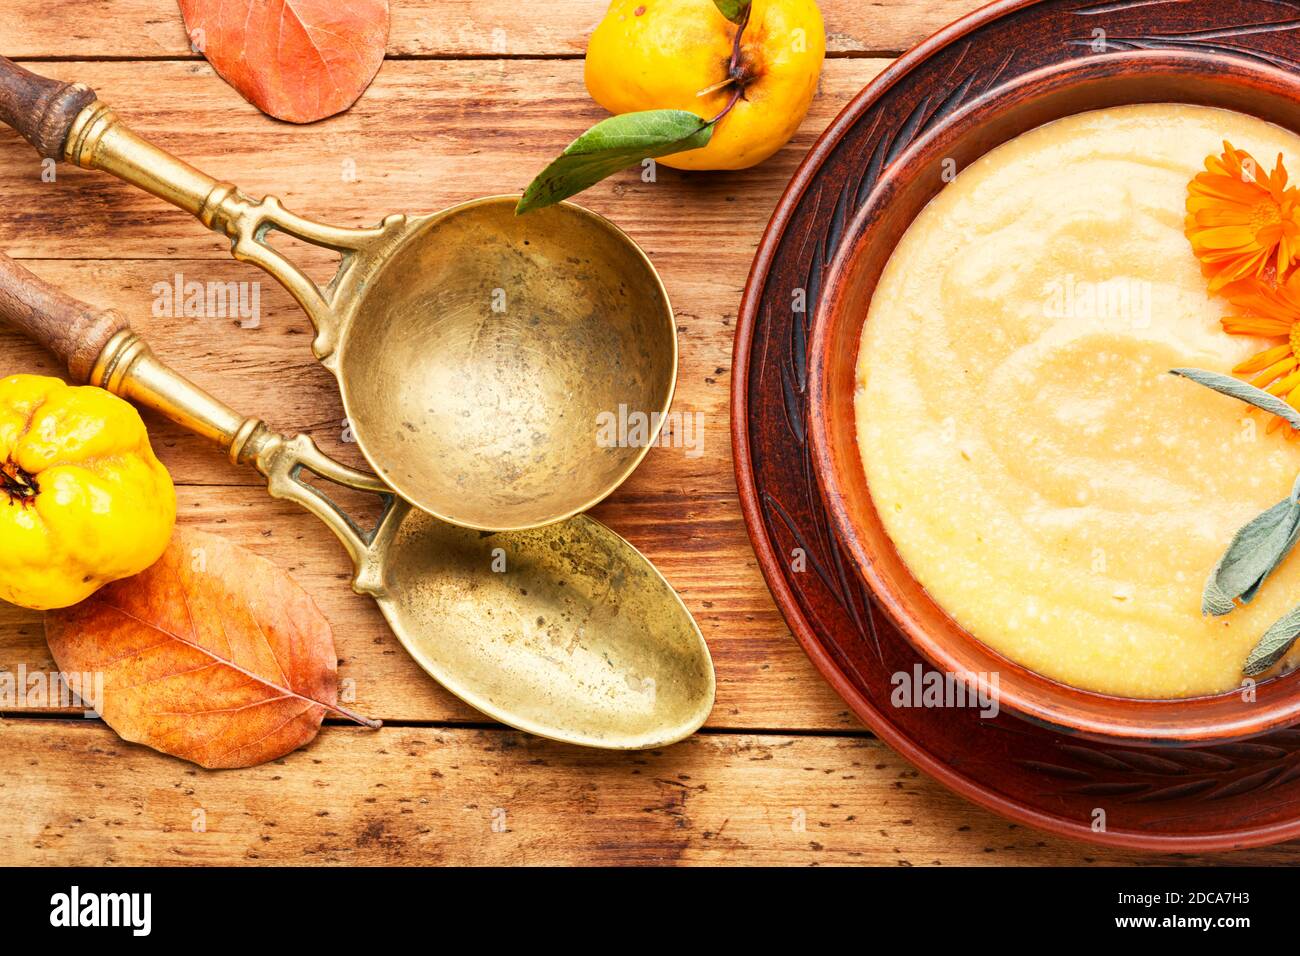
98,139
65,121
128,367
282,460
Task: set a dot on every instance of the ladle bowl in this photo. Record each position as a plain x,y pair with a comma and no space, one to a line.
484,363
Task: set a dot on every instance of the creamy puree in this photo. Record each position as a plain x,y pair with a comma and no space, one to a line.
1041,474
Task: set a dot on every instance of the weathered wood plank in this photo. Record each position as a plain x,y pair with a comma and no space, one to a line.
433,28
704,267
269,370
679,509
764,679
426,136
72,793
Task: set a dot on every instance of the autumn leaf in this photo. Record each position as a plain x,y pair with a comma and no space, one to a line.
213,654
298,60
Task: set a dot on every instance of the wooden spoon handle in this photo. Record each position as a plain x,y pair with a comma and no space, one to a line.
72,330
40,109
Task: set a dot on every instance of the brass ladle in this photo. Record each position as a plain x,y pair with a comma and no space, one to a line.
566,631
475,350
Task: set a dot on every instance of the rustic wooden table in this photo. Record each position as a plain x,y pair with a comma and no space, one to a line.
476,95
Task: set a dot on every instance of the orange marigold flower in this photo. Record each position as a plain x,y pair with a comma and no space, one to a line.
1241,220
1269,311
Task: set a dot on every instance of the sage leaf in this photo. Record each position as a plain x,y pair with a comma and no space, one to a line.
733,10
612,145
1272,647
1242,391
1254,553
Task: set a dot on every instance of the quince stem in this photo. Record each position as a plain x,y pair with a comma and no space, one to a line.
721,84
734,73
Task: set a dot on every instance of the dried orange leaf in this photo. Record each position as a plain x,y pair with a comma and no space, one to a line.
298,60
213,654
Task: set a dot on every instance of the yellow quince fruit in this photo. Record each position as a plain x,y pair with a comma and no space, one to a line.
83,500
682,54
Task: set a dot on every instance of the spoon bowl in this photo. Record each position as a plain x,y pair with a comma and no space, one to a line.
578,638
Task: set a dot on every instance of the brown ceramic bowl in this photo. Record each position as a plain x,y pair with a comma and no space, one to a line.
904,189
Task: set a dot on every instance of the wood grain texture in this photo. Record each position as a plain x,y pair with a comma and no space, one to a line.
420,796
425,136
434,28
503,96
679,508
764,679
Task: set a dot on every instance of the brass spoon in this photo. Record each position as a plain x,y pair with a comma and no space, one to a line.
567,631
474,349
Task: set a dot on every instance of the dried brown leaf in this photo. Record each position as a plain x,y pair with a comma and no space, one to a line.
214,655
297,60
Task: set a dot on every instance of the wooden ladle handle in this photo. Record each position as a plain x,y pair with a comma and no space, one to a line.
72,330
40,109
88,340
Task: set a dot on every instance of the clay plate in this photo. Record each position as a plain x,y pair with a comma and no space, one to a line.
1192,798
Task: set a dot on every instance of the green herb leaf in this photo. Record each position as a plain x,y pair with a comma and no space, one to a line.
733,10
1242,391
1272,647
1255,552
612,145
1262,544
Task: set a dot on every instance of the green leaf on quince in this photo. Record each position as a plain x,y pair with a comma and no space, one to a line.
733,10
612,145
